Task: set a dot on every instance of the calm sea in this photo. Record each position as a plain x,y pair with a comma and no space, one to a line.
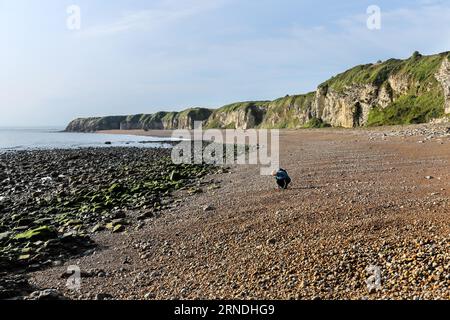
53,138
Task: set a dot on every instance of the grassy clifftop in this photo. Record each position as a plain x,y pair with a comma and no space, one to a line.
417,68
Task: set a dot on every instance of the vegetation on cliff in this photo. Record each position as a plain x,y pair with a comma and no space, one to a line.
418,69
409,109
289,112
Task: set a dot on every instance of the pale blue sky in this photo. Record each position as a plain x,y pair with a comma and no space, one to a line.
144,56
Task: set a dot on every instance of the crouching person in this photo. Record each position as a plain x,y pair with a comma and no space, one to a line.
282,178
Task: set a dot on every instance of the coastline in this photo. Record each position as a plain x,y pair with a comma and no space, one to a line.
142,133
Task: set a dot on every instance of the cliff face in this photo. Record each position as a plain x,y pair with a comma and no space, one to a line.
392,92
95,124
443,76
242,115
156,121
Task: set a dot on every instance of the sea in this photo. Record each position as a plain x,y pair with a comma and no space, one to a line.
13,139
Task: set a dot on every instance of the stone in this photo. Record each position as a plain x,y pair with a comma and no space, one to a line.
57,263
5,235
103,296
47,294
175,176
149,295
118,228
41,233
24,257
145,215
98,227
208,208
119,215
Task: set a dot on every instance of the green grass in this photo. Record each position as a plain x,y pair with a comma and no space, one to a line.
422,68
213,124
196,113
231,125
284,111
409,109
242,106
417,68
363,74
316,123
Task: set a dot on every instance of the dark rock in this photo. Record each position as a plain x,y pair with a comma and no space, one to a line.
41,233
98,227
175,176
103,296
47,294
145,215
118,228
208,208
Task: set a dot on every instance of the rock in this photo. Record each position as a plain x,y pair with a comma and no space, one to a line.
118,228
47,294
41,233
149,295
119,215
103,296
271,241
429,177
145,215
108,143
5,235
57,263
73,222
46,180
98,227
145,256
14,286
175,176
117,222
126,260
24,257
208,208
101,274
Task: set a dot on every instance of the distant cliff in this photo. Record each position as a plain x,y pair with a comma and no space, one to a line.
157,121
396,91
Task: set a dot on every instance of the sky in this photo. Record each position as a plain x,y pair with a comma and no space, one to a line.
137,56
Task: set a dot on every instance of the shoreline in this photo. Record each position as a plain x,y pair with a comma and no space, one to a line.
140,133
